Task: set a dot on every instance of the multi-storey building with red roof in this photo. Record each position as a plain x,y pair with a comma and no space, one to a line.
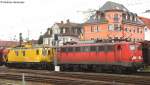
113,21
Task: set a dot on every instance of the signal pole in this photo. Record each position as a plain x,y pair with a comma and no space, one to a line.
56,67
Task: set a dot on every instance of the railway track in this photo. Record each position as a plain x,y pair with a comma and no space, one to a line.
56,80
77,77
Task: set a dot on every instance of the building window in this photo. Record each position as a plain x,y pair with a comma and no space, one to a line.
97,28
63,39
76,31
116,17
138,30
92,30
126,29
130,30
134,30
110,27
117,27
92,38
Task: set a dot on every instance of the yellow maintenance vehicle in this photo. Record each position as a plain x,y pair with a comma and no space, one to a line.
30,56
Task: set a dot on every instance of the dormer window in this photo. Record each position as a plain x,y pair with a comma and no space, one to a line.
126,17
117,8
124,9
64,30
102,15
98,17
135,18
131,18
49,31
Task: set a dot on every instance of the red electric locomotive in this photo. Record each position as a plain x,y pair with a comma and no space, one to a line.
119,57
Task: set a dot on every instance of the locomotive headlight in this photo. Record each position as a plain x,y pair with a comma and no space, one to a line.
134,58
140,58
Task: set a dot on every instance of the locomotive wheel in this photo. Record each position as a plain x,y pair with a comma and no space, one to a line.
1,63
75,68
97,68
118,70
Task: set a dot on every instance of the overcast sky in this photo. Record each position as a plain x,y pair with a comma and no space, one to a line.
35,16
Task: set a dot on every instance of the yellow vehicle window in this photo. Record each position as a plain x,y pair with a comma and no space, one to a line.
44,52
37,52
48,52
16,52
23,53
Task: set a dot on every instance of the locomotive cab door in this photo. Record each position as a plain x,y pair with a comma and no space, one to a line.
118,52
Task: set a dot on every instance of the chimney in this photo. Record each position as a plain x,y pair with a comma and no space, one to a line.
62,22
68,21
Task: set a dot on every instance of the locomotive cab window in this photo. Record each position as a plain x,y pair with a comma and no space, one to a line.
85,49
70,49
64,49
93,48
101,48
77,49
110,48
